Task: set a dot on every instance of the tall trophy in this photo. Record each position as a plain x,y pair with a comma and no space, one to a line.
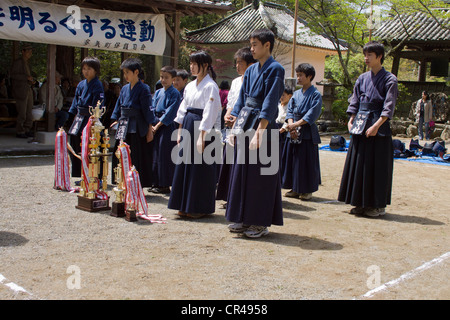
118,206
94,148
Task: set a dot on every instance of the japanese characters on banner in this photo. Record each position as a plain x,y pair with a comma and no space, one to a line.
75,26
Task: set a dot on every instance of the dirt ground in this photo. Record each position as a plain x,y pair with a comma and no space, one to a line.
47,246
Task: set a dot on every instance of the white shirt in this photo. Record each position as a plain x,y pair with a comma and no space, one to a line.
233,94
204,96
282,112
59,98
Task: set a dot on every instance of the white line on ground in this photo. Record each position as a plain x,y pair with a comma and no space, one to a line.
408,275
14,287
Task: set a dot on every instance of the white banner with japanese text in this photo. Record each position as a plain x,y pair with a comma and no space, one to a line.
42,22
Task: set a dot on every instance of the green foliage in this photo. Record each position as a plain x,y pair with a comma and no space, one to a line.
340,104
355,66
38,60
5,56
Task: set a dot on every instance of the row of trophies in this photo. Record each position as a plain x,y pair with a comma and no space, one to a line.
92,196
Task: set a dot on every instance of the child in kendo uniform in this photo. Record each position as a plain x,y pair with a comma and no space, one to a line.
134,119
87,94
166,102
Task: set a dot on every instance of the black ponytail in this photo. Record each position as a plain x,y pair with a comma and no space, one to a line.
212,73
201,58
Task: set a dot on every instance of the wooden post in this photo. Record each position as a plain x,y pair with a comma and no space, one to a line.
294,41
51,72
123,56
422,71
395,65
65,61
176,40
83,54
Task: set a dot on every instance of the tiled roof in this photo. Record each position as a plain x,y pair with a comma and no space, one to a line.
419,27
206,2
238,26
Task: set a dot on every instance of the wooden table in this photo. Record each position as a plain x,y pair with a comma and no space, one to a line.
7,101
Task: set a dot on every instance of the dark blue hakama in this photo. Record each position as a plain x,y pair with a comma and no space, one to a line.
193,185
301,166
255,198
368,170
165,105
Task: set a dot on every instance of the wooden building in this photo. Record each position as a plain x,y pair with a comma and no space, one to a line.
61,57
225,37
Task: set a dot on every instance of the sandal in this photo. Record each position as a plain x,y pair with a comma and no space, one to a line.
195,215
182,214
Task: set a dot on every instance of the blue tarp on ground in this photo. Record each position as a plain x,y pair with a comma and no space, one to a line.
418,158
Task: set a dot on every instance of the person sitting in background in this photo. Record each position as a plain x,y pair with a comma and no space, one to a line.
61,114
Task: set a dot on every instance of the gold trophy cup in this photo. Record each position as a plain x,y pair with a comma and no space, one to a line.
98,149
118,206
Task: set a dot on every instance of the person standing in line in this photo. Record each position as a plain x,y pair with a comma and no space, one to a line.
87,94
22,83
224,89
134,119
254,197
166,102
366,181
282,123
180,81
424,114
193,187
243,59
301,149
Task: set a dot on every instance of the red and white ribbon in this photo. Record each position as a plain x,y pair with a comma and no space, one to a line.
62,163
125,159
135,198
85,140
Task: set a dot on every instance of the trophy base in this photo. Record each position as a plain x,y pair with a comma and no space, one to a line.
118,209
130,215
92,205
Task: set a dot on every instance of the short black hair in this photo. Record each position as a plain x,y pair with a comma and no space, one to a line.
92,62
224,85
183,74
288,90
245,54
170,70
264,35
141,75
132,64
375,47
307,69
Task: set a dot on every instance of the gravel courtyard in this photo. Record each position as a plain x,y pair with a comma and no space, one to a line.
52,250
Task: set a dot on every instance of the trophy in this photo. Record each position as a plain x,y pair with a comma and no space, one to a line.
118,206
130,212
94,147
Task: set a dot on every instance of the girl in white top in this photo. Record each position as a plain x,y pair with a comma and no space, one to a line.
193,186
